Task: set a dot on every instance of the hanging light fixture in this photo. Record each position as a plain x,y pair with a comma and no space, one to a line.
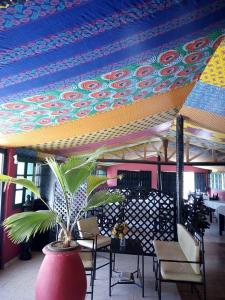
8,3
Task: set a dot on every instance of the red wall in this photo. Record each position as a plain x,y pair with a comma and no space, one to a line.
10,250
112,171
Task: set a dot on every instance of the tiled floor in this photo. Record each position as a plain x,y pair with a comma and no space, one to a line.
17,281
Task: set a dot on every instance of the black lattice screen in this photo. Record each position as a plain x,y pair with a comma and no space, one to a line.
149,213
59,205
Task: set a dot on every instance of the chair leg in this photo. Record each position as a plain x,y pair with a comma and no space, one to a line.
159,289
204,291
95,258
156,277
92,285
192,288
159,280
153,263
137,266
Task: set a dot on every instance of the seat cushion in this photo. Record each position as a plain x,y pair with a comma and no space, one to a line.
86,257
179,272
171,250
102,241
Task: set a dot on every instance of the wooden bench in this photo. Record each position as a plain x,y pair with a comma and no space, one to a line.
181,261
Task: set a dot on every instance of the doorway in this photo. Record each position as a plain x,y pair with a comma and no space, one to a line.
169,183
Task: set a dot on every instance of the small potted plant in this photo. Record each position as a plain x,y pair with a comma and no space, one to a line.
61,275
119,231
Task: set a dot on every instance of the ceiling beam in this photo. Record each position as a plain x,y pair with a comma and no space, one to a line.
169,163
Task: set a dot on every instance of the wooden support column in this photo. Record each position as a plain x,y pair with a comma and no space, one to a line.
159,178
179,165
187,151
214,155
165,147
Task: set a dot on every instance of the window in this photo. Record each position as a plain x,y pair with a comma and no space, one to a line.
101,172
217,181
30,171
134,179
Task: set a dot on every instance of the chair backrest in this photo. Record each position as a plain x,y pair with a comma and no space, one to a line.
189,246
88,227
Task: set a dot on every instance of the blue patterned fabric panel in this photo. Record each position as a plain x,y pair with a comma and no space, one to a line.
207,97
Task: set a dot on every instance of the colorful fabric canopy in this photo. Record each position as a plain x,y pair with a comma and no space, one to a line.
76,74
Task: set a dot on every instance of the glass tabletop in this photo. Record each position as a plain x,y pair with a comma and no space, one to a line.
132,246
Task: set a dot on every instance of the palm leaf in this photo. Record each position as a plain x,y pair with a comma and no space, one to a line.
22,181
74,178
102,198
75,162
55,167
94,181
23,225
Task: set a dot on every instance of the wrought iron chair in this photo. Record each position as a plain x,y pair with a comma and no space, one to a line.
87,257
88,229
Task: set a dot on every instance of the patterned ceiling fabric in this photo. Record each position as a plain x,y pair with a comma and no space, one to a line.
208,95
204,108
111,137
135,137
158,109
214,72
64,61
208,98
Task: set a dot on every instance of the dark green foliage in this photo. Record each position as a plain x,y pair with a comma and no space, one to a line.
195,214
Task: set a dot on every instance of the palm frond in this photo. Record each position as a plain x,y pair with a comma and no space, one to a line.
102,198
75,162
22,181
22,226
94,181
55,167
74,178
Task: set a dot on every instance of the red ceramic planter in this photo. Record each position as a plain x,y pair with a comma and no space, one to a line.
61,275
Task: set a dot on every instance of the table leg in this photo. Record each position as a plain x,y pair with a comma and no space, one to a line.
143,276
110,272
221,223
137,266
210,215
114,261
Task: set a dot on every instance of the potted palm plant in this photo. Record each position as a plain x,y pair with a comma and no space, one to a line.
61,275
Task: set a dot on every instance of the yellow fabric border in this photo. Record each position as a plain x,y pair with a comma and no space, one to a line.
122,115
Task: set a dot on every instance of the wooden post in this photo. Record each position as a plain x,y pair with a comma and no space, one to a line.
159,179
165,147
179,165
187,151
